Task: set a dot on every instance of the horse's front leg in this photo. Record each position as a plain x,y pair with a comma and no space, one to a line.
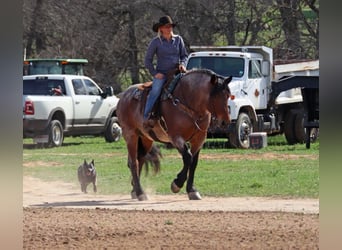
178,183
196,145
193,194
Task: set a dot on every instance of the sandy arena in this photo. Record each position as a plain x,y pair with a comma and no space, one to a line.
58,216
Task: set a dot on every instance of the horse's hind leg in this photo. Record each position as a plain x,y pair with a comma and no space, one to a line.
133,164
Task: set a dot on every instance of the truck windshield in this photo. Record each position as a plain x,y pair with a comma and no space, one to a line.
225,66
42,86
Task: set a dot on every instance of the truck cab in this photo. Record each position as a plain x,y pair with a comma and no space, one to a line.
252,90
57,105
250,67
37,66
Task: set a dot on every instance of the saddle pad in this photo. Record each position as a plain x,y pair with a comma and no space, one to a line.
137,94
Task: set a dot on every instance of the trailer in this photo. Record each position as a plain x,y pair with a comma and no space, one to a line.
311,112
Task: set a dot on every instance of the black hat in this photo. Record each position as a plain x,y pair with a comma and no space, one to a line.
163,21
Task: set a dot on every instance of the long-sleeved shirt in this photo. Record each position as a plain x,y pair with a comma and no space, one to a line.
169,54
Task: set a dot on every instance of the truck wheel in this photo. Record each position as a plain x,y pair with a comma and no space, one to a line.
289,127
56,136
243,127
113,131
300,133
314,134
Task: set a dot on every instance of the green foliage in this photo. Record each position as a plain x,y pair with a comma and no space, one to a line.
278,170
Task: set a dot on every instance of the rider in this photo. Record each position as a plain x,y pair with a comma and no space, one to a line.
170,51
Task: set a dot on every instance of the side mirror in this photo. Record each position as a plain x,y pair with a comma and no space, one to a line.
107,92
265,68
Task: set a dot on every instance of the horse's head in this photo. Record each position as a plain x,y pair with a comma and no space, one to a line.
219,98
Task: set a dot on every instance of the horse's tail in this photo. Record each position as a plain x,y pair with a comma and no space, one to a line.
153,158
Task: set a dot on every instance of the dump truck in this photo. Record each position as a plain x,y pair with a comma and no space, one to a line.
265,97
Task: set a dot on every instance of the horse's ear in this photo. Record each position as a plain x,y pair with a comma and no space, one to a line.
214,79
227,80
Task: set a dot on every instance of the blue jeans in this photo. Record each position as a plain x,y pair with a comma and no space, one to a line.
157,86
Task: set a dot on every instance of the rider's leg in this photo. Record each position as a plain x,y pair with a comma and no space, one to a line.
157,87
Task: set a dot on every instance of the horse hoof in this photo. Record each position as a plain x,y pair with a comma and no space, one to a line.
134,195
142,197
194,196
174,187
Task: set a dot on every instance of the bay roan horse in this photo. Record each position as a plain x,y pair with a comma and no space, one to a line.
185,118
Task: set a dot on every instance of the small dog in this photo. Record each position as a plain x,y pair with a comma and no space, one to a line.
87,174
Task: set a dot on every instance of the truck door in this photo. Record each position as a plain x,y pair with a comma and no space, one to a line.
100,107
90,107
82,103
255,85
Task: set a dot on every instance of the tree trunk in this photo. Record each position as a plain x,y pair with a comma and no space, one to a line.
231,22
133,49
34,36
288,11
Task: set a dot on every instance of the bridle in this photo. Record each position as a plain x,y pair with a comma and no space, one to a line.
188,111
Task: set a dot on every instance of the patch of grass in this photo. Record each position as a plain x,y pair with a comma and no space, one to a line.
168,222
277,170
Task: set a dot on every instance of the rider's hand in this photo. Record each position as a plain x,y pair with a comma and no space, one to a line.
182,68
159,76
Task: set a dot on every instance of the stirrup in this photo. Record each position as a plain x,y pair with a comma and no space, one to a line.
149,123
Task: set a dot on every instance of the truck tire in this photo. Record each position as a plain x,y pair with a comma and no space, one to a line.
243,127
55,134
113,131
314,134
300,133
289,126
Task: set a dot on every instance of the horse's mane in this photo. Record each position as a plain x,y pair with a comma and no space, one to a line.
188,72
195,70
218,87
206,71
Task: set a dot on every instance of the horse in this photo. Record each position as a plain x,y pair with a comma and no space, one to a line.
184,117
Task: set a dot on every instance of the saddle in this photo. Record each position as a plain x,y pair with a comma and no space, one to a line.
143,89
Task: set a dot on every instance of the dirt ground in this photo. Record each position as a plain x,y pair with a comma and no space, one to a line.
58,216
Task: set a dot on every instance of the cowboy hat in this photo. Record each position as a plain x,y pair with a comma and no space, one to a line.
163,21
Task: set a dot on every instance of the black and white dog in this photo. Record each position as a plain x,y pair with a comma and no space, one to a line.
87,174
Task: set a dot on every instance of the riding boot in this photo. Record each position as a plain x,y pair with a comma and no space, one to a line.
157,86
149,122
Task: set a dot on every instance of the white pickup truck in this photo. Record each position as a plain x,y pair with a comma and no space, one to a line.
56,105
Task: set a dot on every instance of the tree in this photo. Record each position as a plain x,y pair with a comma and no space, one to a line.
289,16
114,34
35,37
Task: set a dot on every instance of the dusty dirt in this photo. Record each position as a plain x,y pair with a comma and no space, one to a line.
59,216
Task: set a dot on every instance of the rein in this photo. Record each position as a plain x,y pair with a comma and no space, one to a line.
192,114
